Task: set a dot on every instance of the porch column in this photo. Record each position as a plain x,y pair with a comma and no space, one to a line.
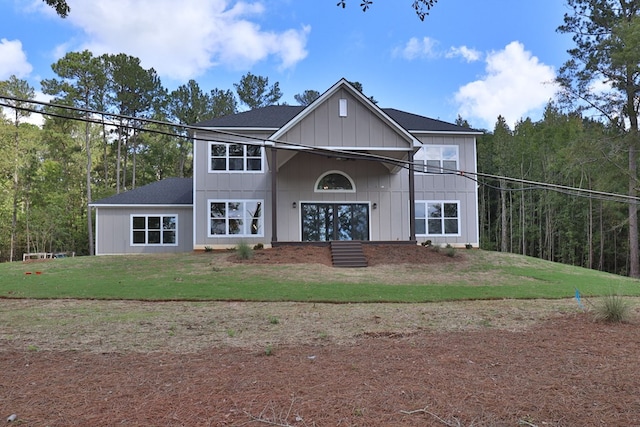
274,197
412,199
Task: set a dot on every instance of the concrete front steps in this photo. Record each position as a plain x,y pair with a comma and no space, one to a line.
347,253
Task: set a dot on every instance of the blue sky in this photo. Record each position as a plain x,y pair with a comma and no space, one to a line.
475,58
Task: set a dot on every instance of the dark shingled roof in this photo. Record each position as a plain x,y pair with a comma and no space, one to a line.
271,117
276,116
170,191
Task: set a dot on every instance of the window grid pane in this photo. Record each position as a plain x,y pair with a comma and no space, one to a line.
148,230
437,218
236,157
236,218
439,158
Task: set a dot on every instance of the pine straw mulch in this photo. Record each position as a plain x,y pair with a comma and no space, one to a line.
565,370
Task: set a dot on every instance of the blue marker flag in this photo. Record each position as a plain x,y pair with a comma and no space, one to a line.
578,299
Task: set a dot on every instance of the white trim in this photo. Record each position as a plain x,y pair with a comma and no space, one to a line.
146,229
226,218
194,224
475,194
337,190
95,232
446,132
341,149
123,205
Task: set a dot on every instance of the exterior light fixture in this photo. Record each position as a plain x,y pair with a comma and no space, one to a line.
294,205
374,206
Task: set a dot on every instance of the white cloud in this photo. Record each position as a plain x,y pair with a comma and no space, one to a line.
468,54
13,60
183,40
515,84
416,48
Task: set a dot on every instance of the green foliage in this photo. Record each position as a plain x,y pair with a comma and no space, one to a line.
244,251
61,7
269,351
254,91
307,97
612,308
561,149
274,320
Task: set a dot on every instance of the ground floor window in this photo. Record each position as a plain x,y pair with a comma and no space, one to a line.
437,218
154,230
236,218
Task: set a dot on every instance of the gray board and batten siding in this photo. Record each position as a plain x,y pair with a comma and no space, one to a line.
343,134
384,187
170,197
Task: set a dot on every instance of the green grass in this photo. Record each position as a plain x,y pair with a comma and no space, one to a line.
204,276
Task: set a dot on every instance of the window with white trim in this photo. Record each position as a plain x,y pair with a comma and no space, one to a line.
437,159
228,157
154,230
236,218
335,181
437,218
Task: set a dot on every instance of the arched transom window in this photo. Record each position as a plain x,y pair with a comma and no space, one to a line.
335,181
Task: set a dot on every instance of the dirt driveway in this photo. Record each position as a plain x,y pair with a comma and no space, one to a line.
484,363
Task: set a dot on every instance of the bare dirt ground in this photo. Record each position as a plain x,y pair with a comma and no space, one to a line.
477,363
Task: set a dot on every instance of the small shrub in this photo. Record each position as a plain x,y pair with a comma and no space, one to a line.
426,243
258,246
468,246
244,250
208,248
612,308
451,251
231,333
435,248
274,320
268,351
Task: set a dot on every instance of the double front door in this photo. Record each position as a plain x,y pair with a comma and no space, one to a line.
322,222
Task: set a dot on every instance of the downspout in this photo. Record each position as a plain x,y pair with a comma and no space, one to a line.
412,199
274,197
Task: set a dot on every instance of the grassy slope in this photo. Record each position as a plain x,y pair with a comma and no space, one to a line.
209,276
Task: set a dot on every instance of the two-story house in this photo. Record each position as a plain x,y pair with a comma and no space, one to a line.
340,168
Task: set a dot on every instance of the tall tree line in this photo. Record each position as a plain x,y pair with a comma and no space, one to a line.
557,224
49,174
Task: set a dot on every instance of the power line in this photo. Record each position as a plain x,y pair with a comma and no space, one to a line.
124,121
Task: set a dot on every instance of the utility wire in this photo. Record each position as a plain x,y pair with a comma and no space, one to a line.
124,121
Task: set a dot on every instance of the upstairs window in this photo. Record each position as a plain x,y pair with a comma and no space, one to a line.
154,230
335,181
437,159
228,157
